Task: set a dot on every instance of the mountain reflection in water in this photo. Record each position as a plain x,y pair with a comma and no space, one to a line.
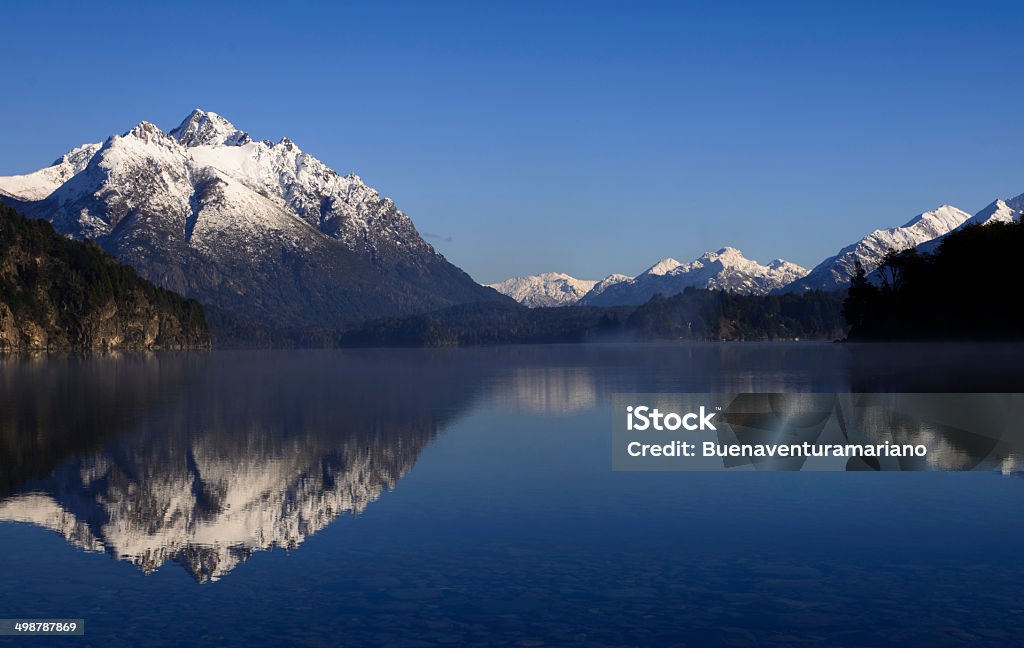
217,456
203,459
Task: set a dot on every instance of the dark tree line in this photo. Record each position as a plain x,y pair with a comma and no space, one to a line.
693,315
969,288
715,315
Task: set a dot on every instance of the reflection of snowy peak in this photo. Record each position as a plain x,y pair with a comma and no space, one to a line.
208,509
260,228
548,289
727,270
215,458
44,511
834,272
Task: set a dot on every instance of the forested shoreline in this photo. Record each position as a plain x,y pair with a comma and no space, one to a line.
699,315
57,295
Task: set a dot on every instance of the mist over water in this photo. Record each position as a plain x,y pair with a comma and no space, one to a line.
466,495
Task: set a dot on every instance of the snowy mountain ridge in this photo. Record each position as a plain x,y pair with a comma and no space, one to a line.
206,146
546,289
40,184
726,269
998,211
834,272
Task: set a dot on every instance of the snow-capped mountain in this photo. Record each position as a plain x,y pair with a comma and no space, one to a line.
998,211
257,228
727,269
834,272
554,288
547,289
607,283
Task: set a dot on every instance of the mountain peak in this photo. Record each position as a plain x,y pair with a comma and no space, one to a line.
202,128
996,212
783,264
144,128
662,267
944,216
148,132
727,253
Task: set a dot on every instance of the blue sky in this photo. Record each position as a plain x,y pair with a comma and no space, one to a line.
584,137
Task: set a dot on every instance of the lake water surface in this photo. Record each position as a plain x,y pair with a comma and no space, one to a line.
465,496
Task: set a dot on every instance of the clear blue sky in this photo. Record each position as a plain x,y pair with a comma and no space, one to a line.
584,137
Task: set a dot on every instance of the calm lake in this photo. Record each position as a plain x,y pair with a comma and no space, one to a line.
465,496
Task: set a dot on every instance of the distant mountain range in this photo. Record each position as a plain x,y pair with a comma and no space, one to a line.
728,270
257,229
548,289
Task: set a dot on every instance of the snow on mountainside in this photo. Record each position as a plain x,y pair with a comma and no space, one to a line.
260,229
663,267
547,289
999,211
727,270
834,272
41,183
608,282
